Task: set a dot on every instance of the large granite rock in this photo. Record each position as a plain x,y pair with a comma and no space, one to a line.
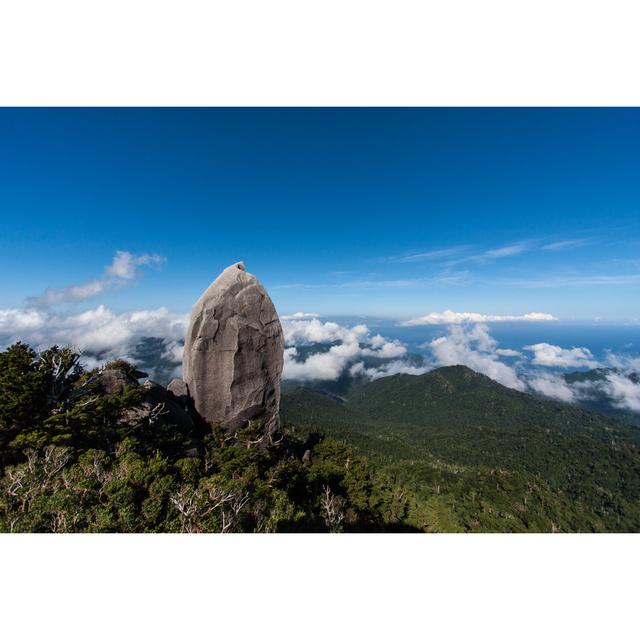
233,353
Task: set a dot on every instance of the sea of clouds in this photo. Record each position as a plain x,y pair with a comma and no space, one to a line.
317,350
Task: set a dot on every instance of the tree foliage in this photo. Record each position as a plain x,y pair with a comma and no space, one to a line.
476,456
449,451
78,459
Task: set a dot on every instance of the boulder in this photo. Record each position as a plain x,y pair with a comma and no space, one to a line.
114,381
179,390
233,353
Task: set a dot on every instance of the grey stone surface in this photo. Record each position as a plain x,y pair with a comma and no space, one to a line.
233,354
114,381
179,389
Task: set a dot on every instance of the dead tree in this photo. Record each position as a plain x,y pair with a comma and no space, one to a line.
332,509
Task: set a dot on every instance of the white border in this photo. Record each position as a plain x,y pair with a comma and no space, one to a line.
328,52
320,52
319,586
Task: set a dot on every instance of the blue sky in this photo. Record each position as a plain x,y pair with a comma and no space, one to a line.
396,213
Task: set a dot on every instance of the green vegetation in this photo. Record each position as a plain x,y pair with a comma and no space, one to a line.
76,456
480,457
447,451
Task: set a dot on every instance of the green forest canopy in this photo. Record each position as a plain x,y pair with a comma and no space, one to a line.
450,450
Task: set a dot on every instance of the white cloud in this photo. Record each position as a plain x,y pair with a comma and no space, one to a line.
508,353
72,293
622,385
389,369
552,386
565,244
173,351
493,254
624,392
124,267
15,321
475,348
104,335
623,362
504,252
348,344
626,279
99,330
379,347
313,331
619,386
300,315
446,278
319,366
550,355
357,369
427,255
125,264
460,317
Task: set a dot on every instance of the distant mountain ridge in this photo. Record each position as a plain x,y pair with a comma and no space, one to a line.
154,356
416,427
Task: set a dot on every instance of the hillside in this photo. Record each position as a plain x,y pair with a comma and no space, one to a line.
447,451
445,432
456,396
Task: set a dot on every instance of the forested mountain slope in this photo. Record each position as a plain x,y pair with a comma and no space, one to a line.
447,432
450,450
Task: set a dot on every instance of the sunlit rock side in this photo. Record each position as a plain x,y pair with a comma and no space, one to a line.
233,354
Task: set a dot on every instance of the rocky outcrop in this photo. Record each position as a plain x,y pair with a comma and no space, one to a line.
233,354
158,407
179,390
116,380
113,381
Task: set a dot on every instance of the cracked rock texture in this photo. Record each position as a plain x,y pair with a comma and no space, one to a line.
233,353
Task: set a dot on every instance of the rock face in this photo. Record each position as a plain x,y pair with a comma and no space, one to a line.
233,353
114,381
179,390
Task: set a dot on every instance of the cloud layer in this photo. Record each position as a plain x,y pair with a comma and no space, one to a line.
460,317
475,348
550,355
322,351
99,331
348,346
552,386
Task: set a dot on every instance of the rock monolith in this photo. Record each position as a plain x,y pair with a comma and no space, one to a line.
233,353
